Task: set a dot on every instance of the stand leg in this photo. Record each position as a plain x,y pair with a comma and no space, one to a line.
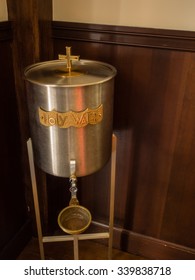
112,195
76,247
35,198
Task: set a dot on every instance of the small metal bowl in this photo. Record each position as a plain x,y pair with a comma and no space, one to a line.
74,219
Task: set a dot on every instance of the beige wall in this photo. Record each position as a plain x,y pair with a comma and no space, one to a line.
166,14
3,10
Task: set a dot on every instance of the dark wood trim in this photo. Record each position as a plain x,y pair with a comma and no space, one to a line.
32,43
13,248
5,31
149,247
14,224
124,35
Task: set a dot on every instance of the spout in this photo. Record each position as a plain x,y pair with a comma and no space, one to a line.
73,182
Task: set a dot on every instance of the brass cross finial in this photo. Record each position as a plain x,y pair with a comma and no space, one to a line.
68,57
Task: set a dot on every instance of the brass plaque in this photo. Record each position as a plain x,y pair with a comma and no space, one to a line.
71,118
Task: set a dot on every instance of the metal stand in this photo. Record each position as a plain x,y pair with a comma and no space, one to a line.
75,238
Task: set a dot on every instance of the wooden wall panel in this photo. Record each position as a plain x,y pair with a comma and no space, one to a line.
14,223
31,25
181,194
154,123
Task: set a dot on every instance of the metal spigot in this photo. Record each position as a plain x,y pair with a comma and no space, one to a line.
73,182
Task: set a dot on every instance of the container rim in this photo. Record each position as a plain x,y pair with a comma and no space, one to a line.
36,65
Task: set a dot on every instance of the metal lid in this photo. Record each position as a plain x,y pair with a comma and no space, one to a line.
83,72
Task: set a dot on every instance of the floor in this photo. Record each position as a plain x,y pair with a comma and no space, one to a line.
88,250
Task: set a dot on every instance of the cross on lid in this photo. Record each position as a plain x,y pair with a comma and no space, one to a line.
69,58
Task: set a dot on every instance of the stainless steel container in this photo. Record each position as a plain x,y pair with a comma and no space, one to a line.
70,115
